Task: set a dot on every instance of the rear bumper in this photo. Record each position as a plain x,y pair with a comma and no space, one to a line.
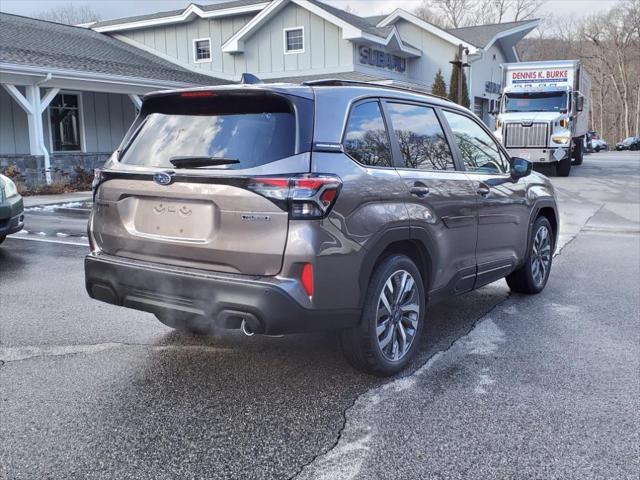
11,225
223,299
11,215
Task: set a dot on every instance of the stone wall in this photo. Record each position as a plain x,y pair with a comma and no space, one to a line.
62,166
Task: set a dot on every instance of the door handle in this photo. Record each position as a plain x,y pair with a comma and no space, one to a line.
483,190
419,191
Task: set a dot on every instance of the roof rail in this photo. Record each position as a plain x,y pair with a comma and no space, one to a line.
393,84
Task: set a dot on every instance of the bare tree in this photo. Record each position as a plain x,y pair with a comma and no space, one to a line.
493,11
608,44
428,14
69,14
462,13
525,9
457,13
500,9
612,40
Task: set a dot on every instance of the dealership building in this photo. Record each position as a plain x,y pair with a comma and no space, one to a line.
69,93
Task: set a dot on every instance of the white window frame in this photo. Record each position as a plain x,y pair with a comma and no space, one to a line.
195,50
284,36
83,135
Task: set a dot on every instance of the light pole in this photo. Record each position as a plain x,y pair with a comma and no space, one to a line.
460,62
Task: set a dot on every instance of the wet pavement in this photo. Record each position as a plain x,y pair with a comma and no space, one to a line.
503,386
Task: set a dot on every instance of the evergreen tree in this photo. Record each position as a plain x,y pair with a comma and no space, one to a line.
453,86
439,87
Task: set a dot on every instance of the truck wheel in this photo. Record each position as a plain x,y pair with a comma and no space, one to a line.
532,276
578,152
564,167
392,317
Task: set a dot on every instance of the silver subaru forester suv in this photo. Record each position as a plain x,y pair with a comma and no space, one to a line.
327,205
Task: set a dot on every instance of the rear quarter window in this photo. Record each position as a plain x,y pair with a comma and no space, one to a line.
366,139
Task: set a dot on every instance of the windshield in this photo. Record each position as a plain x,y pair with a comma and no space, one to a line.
247,131
629,140
536,102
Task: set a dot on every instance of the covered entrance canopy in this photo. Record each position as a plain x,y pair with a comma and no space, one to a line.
39,60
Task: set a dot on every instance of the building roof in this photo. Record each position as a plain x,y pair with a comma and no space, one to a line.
482,35
359,22
171,13
29,42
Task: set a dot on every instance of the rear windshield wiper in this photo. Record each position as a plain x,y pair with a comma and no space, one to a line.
195,162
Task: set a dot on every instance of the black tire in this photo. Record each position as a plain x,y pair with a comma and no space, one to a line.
194,325
2,238
563,167
524,279
361,345
578,152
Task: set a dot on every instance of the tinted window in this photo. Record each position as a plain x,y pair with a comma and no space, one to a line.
479,151
366,138
421,138
254,131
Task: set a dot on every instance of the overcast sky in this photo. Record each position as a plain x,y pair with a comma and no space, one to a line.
109,9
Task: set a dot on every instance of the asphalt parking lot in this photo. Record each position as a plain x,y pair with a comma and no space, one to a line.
504,386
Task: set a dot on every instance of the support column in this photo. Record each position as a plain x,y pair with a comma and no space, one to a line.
137,101
34,106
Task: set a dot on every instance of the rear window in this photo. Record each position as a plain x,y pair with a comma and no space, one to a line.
254,129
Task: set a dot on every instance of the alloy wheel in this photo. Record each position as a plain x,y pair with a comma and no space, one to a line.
397,315
541,255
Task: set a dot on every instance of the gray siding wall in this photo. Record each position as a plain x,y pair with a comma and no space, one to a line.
486,70
436,53
14,132
106,118
325,50
176,41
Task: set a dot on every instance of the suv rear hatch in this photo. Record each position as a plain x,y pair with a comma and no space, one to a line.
187,186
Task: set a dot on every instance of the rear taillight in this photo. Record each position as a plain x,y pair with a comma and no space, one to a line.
306,196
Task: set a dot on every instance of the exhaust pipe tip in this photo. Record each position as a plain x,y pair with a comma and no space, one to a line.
246,329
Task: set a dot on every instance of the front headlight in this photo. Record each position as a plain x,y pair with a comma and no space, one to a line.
561,139
10,189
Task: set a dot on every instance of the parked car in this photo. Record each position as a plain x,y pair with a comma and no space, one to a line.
588,142
11,208
629,143
599,145
328,205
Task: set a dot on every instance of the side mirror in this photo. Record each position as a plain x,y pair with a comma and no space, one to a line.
580,105
520,167
494,107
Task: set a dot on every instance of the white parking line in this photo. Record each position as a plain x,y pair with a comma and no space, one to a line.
47,240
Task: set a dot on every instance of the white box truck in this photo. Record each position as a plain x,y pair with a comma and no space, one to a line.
543,114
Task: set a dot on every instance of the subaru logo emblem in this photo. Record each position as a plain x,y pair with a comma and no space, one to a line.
163,178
